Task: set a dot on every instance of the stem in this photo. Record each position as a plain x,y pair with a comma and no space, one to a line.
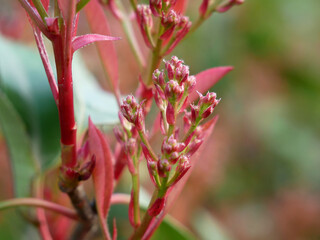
128,30
41,10
147,144
136,192
35,17
88,226
40,203
156,57
68,127
147,218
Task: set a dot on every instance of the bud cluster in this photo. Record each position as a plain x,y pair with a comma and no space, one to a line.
133,112
171,90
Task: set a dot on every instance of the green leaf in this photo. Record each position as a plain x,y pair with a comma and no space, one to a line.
91,100
208,228
81,4
172,229
24,82
19,147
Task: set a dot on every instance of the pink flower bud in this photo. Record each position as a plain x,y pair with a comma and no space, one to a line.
156,6
186,120
158,78
194,113
131,146
128,108
173,91
158,98
169,67
174,157
170,19
170,114
190,83
118,134
182,168
139,121
207,112
144,18
194,146
164,167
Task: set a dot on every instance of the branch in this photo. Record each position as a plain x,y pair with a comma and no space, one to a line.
36,202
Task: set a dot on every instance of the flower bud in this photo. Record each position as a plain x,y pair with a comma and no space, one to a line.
129,107
158,78
170,19
190,83
155,6
164,167
173,91
182,168
118,134
170,114
194,146
139,122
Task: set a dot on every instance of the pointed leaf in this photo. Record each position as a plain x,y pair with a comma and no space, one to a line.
208,78
29,92
19,147
84,40
98,24
102,174
181,6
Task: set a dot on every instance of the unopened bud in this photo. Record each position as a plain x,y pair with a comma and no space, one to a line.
170,114
164,167
227,5
87,169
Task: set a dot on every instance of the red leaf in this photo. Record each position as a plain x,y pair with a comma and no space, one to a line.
45,4
180,6
84,40
208,78
102,174
98,23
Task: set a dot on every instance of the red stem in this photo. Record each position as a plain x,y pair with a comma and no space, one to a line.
68,127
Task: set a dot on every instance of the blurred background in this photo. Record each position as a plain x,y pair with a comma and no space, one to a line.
259,175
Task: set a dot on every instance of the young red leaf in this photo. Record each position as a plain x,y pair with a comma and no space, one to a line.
98,24
180,6
84,40
102,174
208,78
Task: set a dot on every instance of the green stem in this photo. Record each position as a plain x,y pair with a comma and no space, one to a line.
147,218
41,10
129,32
136,191
147,144
156,57
40,203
